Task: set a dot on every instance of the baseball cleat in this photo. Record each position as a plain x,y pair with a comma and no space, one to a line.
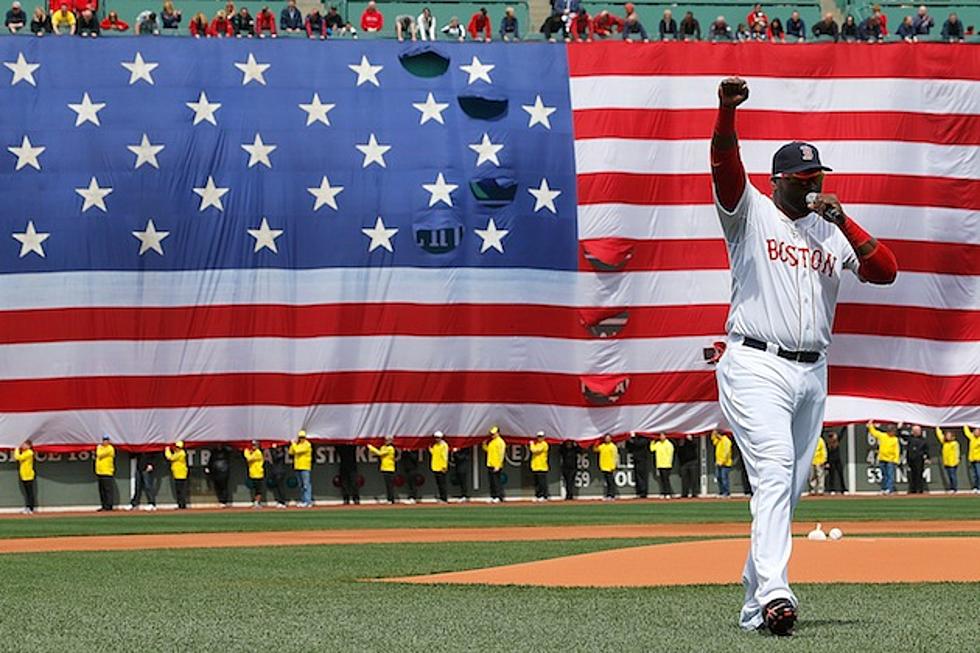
780,617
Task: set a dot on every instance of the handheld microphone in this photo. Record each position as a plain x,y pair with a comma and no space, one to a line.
829,212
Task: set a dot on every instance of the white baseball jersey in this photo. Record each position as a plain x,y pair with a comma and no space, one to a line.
785,273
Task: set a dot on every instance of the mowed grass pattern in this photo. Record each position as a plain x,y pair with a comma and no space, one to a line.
311,599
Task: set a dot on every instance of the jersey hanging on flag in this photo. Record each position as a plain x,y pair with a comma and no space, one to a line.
220,240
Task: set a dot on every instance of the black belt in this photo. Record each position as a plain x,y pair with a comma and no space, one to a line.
798,356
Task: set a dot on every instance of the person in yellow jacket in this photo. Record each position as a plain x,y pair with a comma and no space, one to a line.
302,452
496,450
888,455
24,456
105,469
255,459
723,461
439,465
951,457
608,460
663,450
973,456
386,463
539,466
177,457
818,473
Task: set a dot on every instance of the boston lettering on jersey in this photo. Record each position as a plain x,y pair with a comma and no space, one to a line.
793,256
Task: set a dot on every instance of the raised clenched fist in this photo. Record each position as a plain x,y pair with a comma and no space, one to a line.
733,91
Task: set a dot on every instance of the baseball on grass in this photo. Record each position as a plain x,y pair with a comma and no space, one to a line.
836,533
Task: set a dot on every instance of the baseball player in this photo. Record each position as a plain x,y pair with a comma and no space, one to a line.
787,256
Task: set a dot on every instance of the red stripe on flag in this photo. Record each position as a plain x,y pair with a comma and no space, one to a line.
901,385
919,61
951,325
936,258
755,124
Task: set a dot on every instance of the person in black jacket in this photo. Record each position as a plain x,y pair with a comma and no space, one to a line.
276,478
347,454
218,470
687,450
639,447
145,481
568,454
87,24
835,466
917,456
410,472
459,462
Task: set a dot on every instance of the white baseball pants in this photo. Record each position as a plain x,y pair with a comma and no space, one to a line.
775,408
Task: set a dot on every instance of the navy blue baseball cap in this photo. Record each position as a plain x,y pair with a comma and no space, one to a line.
796,157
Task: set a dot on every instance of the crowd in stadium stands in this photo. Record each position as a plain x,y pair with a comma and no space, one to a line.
269,468
569,21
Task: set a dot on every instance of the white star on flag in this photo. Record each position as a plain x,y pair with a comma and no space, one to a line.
380,236
146,152
22,70
478,70
30,240
440,190
252,70
325,194
538,113
87,111
27,155
366,72
265,237
258,152
544,197
431,110
150,238
317,111
94,195
211,195
139,69
204,110
373,152
492,237
486,151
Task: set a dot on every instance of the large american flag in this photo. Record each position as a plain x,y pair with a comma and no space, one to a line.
236,239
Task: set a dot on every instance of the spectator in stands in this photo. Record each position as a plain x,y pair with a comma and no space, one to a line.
568,458
243,24
796,27
688,460
826,27
439,465
255,460
605,24
291,18
870,30
372,20
105,468
302,452
315,25
170,16
87,24
757,17
719,30
566,7
459,460
917,457
404,24
455,30
888,455
668,26
386,464
906,31
277,474
495,449
953,29
552,25
723,461
835,464
146,24
882,19
634,26
265,21
690,29
539,466
580,27
849,30
144,481
509,29
40,22
638,447
347,455
608,454
663,449
112,23
218,468
198,26
923,22
16,18
951,457
177,458
426,24
775,31
744,33
230,9
334,22
818,471
24,457
63,20
479,25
